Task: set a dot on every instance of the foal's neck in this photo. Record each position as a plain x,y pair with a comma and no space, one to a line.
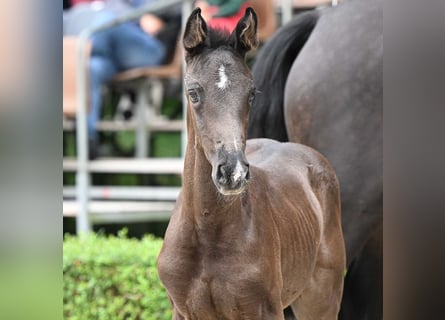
201,200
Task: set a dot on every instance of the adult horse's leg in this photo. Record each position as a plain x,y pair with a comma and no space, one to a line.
358,222
361,285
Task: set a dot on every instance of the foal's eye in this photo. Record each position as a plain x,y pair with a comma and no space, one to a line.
194,97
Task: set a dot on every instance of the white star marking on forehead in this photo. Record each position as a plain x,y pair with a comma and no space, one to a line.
223,82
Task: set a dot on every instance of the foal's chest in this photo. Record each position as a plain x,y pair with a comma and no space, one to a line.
220,287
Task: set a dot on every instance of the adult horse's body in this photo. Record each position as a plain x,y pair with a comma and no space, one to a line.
257,226
320,79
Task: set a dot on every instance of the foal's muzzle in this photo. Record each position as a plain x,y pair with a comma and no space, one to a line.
231,173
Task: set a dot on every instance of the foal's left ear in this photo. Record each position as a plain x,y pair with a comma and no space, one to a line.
245,36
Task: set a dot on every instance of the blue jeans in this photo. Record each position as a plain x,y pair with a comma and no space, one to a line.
123,47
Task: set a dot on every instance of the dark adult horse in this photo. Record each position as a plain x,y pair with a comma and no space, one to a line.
320,79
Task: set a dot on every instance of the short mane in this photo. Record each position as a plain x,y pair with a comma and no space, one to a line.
219,38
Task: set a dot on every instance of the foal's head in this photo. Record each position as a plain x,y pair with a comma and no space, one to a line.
220,91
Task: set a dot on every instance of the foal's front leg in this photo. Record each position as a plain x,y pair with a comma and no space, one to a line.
270,311
176,315
276,314
321,300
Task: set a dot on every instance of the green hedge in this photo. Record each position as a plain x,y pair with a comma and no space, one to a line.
108,278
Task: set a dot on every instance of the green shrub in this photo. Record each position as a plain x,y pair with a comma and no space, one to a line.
108,278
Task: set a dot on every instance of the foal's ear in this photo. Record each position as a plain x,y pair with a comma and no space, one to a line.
245,36
195,33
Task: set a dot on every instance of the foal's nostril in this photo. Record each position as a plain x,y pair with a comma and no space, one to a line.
221,174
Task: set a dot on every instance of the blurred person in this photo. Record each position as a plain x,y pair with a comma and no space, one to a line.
145,43
224,14
304,5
